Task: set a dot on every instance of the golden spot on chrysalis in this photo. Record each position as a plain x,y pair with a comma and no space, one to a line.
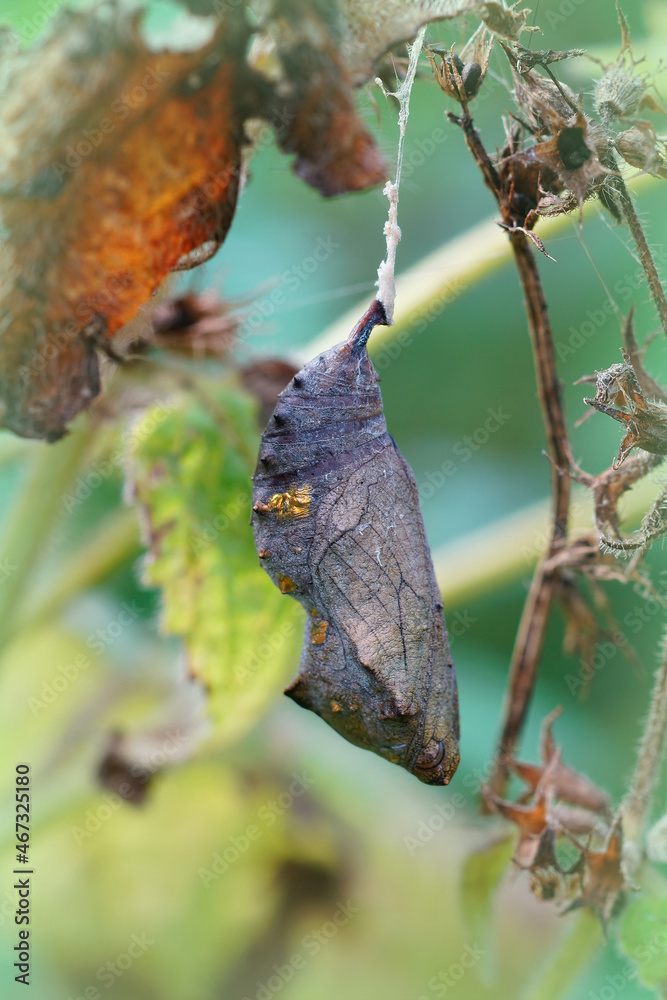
293,503
286,584
319,634
335,707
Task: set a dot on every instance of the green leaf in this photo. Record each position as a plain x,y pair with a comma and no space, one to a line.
571,955
643,936
191,466
483,870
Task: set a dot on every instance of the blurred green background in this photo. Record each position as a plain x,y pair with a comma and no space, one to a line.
277,860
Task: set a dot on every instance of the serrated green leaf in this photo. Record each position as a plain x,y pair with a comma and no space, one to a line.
643,937
191,465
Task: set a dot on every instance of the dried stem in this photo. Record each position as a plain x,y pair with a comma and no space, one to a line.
532,629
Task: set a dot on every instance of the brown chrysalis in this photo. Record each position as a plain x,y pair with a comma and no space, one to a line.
337,526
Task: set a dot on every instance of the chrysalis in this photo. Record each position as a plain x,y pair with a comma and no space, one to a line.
337,525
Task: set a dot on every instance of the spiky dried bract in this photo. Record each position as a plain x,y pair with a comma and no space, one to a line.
546,819
619,395
375,663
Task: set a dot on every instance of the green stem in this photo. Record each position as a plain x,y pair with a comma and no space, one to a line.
115,541
646,775
574,953
507,549
427,288
36,509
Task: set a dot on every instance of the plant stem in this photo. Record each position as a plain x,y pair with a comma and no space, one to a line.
35,510
639,798
645,255
430,286
115,541
534,620
535,617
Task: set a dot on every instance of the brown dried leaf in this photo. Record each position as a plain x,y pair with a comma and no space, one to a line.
319,122
265,380
603,878
126,162
531,820
197,323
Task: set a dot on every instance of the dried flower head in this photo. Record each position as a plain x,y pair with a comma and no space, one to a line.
641,147
619,395
621,91
461,75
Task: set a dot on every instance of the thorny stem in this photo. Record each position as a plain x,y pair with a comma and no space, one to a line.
534,620
638,801
535,617
645,256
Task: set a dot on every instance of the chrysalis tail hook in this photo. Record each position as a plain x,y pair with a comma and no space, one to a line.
374,316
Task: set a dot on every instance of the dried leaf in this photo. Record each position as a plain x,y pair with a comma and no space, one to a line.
102,193
603,878
265,380
573,155
318,119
